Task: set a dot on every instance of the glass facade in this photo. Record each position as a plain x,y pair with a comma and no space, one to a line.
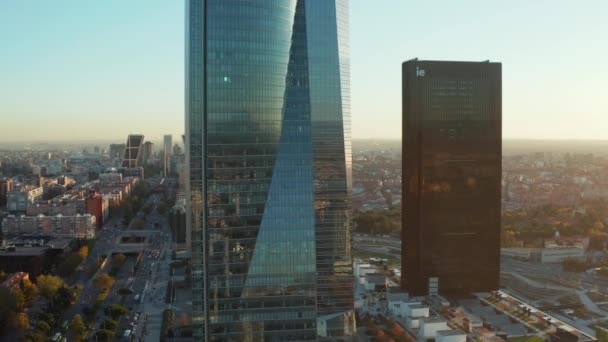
452,148
270,168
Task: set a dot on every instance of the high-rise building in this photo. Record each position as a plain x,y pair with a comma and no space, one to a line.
133,151
117,150
452,118
167,141
6,186
148,152
269,157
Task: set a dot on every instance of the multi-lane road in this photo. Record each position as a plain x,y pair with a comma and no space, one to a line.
149,283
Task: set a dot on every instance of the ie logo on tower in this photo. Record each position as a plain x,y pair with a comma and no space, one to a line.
420,72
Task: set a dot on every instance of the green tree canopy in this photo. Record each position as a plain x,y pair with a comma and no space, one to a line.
77,327
48,285
30,290
104,281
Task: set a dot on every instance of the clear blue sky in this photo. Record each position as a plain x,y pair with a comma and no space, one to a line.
70,69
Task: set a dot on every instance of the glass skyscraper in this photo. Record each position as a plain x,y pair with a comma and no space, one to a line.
268,137
452,150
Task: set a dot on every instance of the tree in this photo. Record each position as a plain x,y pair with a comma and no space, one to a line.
47,317
69,265
30,290
574,265
64,296
119,259
598,225
48,285
104,335
104,281
77,327
22,321
161,208
141,190
601,334
125,292
378,221
597,239
138,223
36,336
109,324
116,310
19,299
147,209
43,326
508,238
7,303
83,251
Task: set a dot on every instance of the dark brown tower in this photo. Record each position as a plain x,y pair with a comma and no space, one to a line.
452,150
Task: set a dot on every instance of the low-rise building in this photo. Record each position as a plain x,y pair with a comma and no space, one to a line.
78,226
430,326
110,178
361,269
33,255
55,207
14,280
450,336
559,254
375,281
17,201
518,253
409,311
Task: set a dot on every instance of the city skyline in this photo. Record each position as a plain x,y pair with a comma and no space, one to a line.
303,170
130,64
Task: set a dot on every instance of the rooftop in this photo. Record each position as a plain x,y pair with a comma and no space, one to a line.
450,333
23,251
430,320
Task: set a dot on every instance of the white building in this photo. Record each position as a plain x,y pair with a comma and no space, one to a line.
559,254
343,321
516,253
362,269
429,327
409,310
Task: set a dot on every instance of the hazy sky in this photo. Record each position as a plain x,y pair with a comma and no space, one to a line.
81,69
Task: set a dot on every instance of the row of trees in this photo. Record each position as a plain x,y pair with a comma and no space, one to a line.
109,326
68,266
531,226
13,301
59,297
575,265
378,222
130,206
